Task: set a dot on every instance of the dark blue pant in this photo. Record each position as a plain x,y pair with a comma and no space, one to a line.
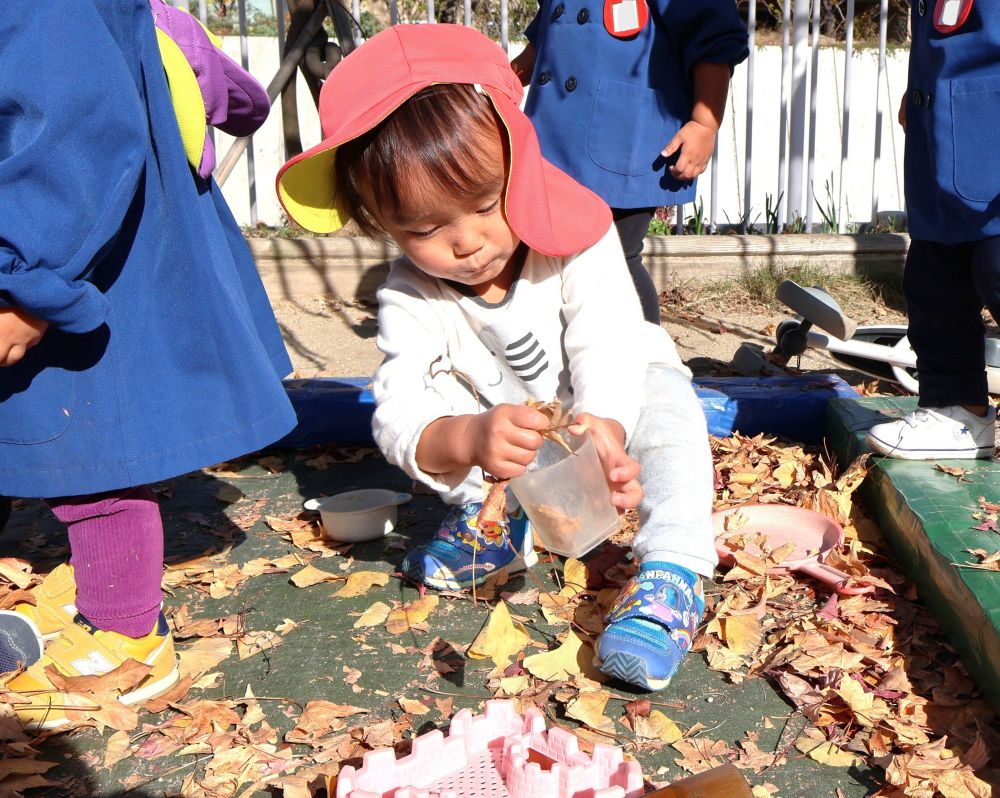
946,289
632,224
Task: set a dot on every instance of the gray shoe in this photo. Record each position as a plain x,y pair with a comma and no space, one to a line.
20,643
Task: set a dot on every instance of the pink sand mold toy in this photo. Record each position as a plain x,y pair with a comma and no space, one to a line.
499,754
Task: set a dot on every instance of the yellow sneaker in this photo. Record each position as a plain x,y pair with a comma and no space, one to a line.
54,608
82,650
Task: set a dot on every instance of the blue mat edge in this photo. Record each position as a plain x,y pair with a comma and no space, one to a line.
339,409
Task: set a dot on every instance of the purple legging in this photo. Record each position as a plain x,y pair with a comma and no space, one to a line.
116,549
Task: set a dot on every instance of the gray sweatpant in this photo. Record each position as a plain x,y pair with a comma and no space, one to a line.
671,444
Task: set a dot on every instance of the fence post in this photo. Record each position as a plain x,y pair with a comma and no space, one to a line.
748,154
781,199
845,132
797,143
882,24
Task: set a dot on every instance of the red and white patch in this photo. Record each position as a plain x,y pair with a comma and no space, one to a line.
625,18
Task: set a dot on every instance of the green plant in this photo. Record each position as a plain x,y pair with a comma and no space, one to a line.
695,223
771,206
797,225
658,227
759,283
744,225
828,211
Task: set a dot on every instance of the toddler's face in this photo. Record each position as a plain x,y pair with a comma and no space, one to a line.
464,240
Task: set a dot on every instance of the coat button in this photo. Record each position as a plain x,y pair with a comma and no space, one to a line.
558,12
543,78
918,98
570,83
921,7
583,16
927,99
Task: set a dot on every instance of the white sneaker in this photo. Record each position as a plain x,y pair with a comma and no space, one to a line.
939,433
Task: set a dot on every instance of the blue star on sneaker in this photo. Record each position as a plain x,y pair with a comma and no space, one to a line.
462,554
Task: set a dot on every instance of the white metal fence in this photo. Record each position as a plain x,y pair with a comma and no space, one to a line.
820,152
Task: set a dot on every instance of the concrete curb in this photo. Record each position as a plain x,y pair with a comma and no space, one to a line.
351,269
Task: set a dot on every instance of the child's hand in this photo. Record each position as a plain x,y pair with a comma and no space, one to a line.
621,471
503,440
902,113
696,143
19,331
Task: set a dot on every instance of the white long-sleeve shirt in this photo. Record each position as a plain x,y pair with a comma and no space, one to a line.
569,329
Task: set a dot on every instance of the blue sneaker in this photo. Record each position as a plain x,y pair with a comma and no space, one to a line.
651,626
462,555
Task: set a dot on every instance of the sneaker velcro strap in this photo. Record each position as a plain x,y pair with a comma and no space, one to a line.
661,594
78,652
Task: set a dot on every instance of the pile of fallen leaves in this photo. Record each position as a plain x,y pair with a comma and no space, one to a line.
872,672
872,676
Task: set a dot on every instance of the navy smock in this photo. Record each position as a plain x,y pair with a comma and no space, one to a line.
162,354
952,155
605,107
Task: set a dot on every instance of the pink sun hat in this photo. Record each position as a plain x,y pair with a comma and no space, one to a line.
545,207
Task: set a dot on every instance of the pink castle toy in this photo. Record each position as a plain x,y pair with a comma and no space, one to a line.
499,754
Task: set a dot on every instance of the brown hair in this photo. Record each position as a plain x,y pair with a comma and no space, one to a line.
438,134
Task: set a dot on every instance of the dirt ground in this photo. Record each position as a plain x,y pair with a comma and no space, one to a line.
708,323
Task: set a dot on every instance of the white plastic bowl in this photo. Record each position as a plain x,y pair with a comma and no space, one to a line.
358,515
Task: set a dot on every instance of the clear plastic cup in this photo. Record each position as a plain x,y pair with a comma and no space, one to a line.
566,497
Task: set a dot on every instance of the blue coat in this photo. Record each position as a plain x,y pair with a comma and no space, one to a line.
162,354
605,107
952,156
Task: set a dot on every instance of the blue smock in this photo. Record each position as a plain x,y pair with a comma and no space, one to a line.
952,155
605,107
162,355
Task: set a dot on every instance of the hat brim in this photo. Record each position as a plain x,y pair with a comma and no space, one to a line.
545,207
307,189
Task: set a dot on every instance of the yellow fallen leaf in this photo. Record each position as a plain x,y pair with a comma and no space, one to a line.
500,639
813,744
402,619
360,582
556,608
413,707
203,655
254,642
228,493
25,765
374,615
310,576
868,709
514,685
15,571
588,708
574,576
657,726
116,749
574,655
785,473
742,633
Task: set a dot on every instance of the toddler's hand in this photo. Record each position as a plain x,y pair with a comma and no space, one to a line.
621,471
19,331
505,438
696,142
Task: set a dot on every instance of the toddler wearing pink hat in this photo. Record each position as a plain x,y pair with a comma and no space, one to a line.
512,286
